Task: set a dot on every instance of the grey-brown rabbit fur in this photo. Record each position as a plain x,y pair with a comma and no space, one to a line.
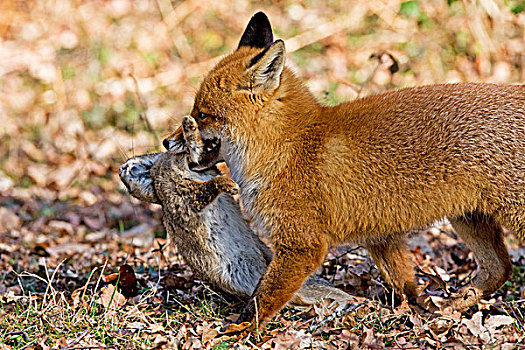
206,223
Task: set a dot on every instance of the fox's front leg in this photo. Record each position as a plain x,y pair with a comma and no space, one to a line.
208,191
292,263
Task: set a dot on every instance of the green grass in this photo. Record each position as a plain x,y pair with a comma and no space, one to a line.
31,321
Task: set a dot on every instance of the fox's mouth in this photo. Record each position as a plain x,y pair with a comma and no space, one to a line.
212,145
210,156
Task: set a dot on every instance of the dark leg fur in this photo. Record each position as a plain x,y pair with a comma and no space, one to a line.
289,268
394,261
484,237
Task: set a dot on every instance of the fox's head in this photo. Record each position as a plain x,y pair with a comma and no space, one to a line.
239,86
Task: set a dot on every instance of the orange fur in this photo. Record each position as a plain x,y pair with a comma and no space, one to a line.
365,171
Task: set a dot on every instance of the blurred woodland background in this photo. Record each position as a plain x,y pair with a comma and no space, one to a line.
85,84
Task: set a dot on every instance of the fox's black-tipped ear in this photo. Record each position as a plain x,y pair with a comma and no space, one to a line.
266,68
258,32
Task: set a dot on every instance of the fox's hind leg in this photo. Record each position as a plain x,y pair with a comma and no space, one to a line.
394,261
193,138
511,214
484,237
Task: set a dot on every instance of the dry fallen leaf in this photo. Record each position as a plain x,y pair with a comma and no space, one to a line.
370,338
77,298
68,249
235,328
128,281
489,329
209,335
111,298
8,220
440,325
289,339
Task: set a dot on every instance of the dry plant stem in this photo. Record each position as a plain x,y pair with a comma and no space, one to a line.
171,17
76,340
514,314
86,284
185,307
256,319
98,282
48,281
177,14
129,252
337,314
349,22
143,104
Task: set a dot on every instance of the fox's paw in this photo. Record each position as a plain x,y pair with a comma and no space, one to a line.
227,185
189,124
463,299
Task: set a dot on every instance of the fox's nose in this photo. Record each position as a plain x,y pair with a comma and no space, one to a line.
166,144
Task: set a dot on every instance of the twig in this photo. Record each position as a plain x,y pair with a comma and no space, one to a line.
143,116
349,21
171,17
349,251
179,13
160,249
22,333
76,340
49,281
336,314
256,319
96,286
253,346
514,313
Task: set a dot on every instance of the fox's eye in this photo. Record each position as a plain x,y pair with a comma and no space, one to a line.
203,115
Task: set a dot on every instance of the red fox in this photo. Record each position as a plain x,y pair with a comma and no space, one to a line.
365,171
